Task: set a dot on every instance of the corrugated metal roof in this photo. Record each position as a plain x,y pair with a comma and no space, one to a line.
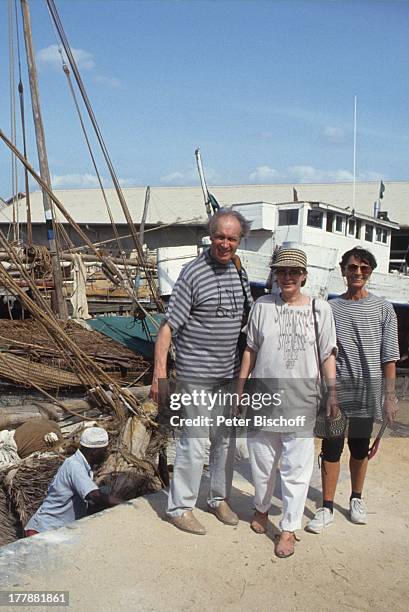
172,204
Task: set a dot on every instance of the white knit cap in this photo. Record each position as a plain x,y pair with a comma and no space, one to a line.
94,437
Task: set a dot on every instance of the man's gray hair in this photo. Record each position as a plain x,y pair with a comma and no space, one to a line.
229,212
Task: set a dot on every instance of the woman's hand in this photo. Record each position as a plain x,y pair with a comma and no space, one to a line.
390,408
247,366
236,409
332,407
390,402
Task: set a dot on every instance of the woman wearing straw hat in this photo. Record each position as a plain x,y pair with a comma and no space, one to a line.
282,355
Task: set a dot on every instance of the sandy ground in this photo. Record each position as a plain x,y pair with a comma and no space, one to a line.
129,558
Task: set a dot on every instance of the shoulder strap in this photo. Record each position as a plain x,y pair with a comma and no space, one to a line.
314,314
237,264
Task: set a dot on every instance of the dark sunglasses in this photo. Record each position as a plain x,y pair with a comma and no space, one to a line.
289,271
365,270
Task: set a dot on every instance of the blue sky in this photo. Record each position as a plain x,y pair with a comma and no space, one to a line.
265,88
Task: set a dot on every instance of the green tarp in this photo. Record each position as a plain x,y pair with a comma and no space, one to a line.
137,335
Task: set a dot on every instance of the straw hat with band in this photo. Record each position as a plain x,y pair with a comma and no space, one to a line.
290,258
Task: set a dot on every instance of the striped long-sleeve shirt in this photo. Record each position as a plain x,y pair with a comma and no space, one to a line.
205,313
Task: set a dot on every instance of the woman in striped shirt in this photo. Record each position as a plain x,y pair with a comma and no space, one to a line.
368,349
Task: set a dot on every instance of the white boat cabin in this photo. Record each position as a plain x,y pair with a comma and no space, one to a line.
322,230
315,224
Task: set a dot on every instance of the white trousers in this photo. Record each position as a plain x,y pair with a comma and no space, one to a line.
297,461
187,470
191,452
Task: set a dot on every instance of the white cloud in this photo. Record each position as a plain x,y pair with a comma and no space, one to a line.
307,174
190,177
334,134
50,56
339,176
371,176
212,177
75,181
129,182
107,81
174,178
263,174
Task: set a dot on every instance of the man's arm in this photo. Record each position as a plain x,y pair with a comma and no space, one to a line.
162,346
390,401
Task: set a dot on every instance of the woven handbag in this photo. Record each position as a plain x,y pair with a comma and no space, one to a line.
326,426
329,427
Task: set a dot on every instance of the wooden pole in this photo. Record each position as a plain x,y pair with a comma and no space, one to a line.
144,215
60,306
142,233
27,187
13,416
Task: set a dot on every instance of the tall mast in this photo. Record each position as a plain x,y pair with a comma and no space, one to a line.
60,305
354,183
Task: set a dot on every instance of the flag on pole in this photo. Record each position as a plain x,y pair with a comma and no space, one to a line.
381,190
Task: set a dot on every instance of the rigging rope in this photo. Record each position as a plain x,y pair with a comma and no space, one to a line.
114,227
75,225
63,234
23,131
151,229
84,131
14,174
74,68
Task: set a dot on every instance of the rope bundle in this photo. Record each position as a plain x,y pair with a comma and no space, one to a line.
106,393
9,529
26,484
29,373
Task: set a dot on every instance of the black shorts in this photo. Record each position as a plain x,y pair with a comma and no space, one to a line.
359,437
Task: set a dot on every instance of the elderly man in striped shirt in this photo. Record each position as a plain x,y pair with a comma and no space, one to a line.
204,318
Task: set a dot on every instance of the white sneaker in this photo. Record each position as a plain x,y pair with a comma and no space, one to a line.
357,511
323,518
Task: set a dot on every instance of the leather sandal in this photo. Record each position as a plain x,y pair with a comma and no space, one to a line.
259,522
284,547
